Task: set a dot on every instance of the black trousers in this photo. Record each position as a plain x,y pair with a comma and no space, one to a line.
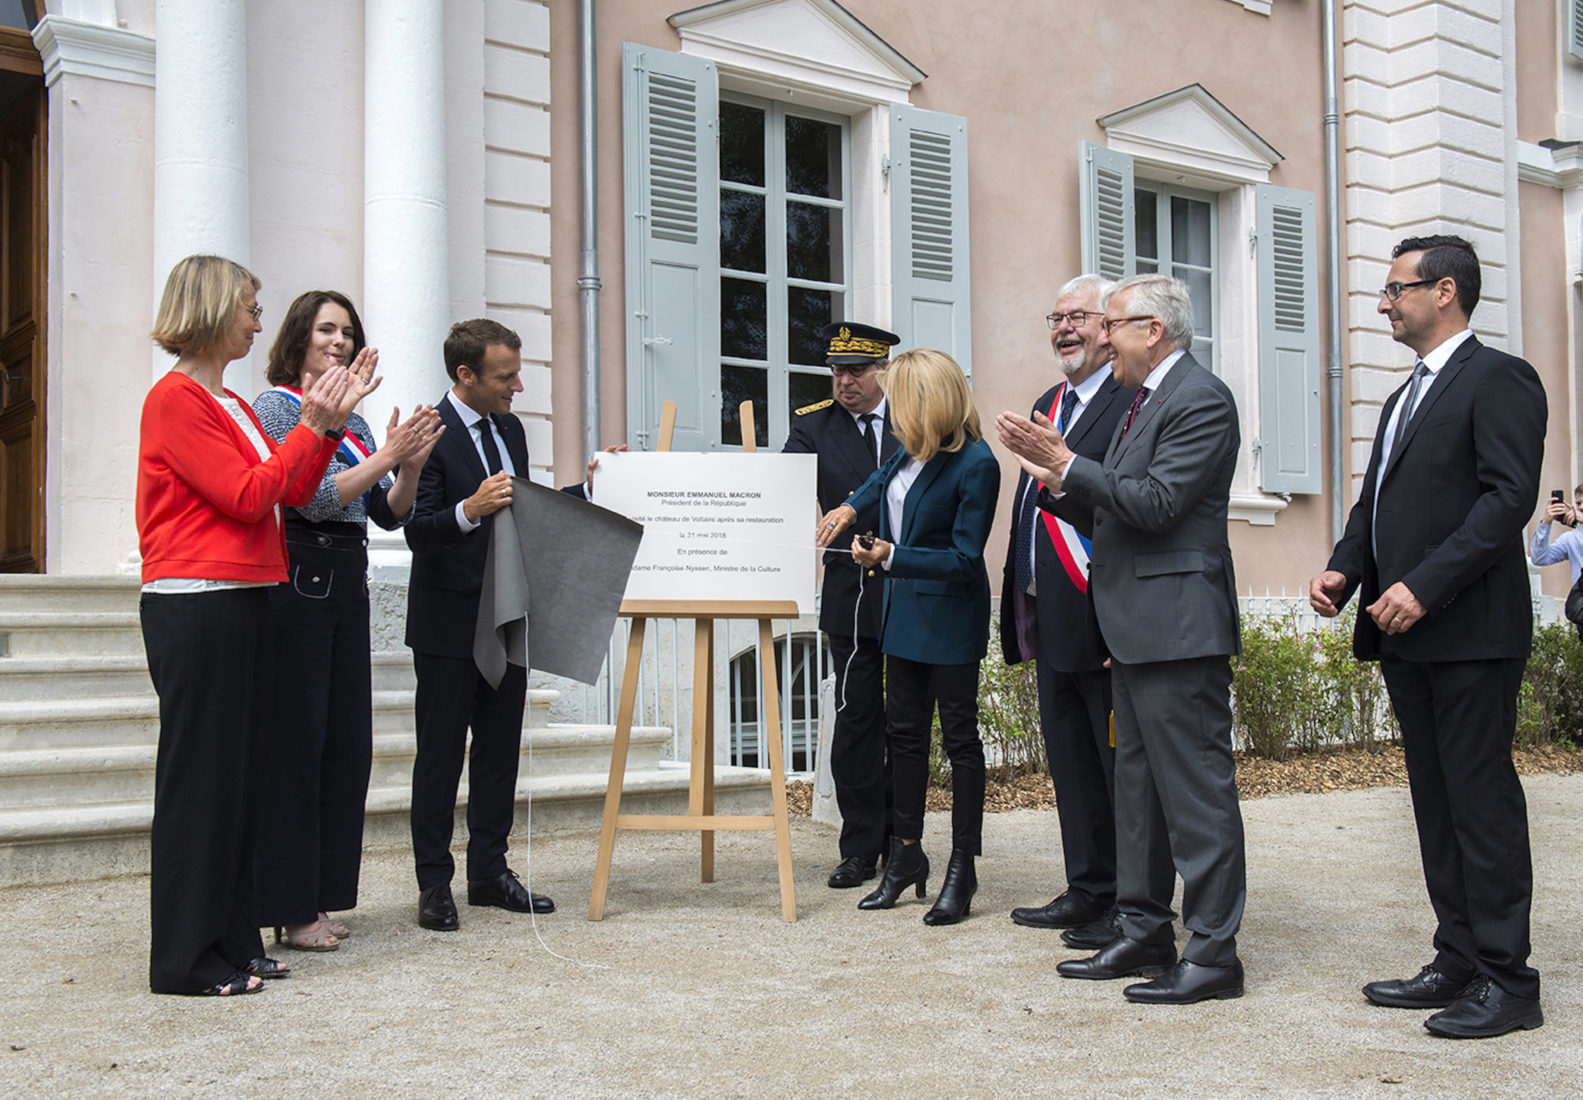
912,691
857,747
1074,713
1458,719
320,736
451,697
1176,806
206,658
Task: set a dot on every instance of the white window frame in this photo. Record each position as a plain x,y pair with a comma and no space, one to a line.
1164,192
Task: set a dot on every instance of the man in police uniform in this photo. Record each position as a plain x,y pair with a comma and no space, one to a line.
850,433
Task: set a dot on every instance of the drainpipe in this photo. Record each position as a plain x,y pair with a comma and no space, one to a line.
1333,372
588,274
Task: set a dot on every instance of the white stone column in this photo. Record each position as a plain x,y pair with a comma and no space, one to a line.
200,143
406,258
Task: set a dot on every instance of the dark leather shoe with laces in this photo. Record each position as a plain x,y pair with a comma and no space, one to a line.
505,891
1121,959
1188,983
1065,911
1094,934
437,909
852,871
1483,1010
1429,988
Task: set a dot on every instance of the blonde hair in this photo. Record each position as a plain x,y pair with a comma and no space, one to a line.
931,408
198,308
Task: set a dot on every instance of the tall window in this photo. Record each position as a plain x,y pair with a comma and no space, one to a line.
785,260
799,699
1176,234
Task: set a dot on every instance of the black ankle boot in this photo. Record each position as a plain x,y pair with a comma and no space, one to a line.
907,866
956,892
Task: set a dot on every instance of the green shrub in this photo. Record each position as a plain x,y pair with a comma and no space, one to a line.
1550,702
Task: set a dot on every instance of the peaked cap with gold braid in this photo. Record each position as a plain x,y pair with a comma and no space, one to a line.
853,344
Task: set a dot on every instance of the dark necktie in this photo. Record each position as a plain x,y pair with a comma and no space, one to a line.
869,441
492,464
1410,402
1132,413
1068,403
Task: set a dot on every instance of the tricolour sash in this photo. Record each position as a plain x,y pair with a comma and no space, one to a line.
351,450
1070,547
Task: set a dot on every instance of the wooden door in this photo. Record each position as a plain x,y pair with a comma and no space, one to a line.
22,296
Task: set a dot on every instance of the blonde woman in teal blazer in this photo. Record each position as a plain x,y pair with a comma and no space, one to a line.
937,506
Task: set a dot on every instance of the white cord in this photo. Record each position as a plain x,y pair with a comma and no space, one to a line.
850,657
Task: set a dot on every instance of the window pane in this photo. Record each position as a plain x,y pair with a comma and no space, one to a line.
743,319
739,384
803,389
813,241
808,311
741,144
1144,224
813,158
1189,232
1199,287
741,230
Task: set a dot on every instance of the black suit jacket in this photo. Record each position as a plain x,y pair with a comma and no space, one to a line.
1064,638
448,564
828,430
1448,516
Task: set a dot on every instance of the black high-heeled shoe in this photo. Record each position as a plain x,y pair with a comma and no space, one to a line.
956,892
907,866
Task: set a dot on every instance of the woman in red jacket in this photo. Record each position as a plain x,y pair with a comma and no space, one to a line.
209,489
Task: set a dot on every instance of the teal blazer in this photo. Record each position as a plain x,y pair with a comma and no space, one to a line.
937,589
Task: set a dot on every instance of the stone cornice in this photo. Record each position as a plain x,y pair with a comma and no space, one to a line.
91,49
1559,168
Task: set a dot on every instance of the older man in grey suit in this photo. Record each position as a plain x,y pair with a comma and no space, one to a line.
1165,602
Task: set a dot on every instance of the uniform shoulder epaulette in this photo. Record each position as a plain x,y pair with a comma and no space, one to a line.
816,406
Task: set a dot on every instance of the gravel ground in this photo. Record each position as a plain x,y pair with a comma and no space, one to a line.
689,990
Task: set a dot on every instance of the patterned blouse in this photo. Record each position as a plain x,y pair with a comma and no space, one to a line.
279,414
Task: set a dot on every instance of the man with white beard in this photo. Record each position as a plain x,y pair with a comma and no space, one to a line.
1044,618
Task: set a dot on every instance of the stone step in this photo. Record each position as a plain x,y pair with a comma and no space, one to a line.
60,594
69,633
80,843
42,679
553,750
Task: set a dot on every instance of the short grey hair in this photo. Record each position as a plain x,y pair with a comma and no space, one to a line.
1083,284
1163,297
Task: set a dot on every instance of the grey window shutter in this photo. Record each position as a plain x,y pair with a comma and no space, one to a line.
1575,28
671,174
931,304
1289,365
1106,207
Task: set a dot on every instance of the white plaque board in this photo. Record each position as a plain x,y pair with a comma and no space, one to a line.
716,526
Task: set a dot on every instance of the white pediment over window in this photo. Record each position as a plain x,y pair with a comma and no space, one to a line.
1191,133
814,45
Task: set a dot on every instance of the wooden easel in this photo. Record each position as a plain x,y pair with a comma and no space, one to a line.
700,816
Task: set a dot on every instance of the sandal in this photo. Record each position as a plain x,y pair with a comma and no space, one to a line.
236,985
337,929
306,937
266,967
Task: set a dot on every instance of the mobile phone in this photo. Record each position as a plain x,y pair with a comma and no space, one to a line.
866,541
1558,496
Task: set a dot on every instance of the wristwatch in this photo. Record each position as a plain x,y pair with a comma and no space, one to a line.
337,435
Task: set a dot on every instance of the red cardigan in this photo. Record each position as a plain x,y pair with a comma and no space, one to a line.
205,503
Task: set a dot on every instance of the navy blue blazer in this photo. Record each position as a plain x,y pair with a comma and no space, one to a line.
937,589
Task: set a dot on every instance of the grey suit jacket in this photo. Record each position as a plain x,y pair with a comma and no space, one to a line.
1160,578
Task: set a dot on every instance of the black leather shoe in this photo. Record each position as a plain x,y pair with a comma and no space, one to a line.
956,891
852,871
1427,989
1095,934
505,891
1065,911
437,910
1121,959
908,866
1485,1009
1188,983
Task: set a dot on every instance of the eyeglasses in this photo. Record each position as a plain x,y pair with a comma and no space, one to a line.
1078,317
256,312
1392,291
1110,323
856,370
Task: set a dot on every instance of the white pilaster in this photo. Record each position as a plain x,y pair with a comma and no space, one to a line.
200,143
406,261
